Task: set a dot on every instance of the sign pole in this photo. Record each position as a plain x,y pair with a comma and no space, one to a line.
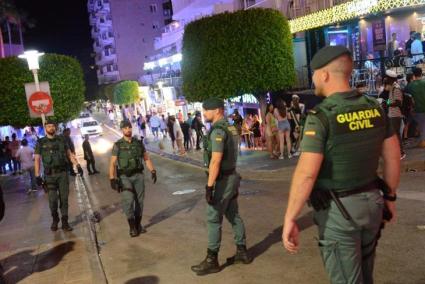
37,88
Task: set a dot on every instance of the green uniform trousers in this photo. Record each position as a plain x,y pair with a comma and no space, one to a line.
348,247
225,204
133,195
58,191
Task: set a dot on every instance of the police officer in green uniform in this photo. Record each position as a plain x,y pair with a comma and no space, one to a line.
221,152
128,154
53,151
343,140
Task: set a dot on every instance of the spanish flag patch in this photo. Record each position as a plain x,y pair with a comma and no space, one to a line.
218,139
310,133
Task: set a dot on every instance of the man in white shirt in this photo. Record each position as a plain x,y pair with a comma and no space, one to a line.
155,123
417,49
25,155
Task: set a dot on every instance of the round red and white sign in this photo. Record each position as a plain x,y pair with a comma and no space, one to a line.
40,102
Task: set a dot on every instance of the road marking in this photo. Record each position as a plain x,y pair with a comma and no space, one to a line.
88,216
186,191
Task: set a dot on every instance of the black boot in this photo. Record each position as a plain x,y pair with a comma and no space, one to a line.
140,229
65,225
209,265
133,230
241,255
54,226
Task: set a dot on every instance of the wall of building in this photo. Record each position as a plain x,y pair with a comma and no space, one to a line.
135,26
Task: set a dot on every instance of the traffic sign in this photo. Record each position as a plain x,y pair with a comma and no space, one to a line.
40,102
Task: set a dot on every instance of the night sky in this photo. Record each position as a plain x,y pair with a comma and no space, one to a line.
61,27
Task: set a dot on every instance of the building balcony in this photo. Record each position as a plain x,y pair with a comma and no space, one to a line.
94,33
90,5
171,34
108,55
106,41
97,47
108,79
106,6
104,23
93,20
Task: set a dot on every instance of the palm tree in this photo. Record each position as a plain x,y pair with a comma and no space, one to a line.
10,15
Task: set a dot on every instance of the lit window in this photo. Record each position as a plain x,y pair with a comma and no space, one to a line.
153,8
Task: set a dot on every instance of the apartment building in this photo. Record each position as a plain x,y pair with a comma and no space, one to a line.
123,33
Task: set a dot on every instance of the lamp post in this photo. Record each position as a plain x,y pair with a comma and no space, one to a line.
32,59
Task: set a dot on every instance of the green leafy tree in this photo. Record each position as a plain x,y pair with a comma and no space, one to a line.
109,91
230,54
65,78
125,92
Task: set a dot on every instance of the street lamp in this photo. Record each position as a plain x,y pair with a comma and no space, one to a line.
32,59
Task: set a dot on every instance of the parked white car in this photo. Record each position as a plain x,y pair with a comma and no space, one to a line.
84,116
91,127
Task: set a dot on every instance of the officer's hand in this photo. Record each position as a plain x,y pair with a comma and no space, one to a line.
390,205
153,175
80,170
209,194
290,236
39,180
114,184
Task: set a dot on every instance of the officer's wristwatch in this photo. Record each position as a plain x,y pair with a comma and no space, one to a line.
392,197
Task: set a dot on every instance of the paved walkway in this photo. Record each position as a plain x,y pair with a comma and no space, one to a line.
30,252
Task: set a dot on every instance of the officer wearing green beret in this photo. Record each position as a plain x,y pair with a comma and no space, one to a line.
221,152
53,151
343,140
126,176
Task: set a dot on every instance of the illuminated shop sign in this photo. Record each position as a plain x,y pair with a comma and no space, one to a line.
347,11
245,99
362,7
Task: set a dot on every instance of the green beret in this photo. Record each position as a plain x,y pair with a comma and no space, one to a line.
125,123
50,120
327,54
213,103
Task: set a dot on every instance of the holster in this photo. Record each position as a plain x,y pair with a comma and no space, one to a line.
320,199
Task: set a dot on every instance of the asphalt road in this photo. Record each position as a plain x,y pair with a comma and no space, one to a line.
176,237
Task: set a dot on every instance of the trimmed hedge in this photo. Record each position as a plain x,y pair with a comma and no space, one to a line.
125,92
229,54
67,87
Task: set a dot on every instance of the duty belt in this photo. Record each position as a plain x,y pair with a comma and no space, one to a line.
52,171
227,172
364,188
130,173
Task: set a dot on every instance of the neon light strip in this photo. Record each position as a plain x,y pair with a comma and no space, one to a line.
347,11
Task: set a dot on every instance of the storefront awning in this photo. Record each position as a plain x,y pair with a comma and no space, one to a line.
347,11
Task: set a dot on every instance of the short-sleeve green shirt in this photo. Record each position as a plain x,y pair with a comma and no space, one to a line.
218,139
314,136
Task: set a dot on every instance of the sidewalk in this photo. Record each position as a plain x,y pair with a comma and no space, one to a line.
257,164
30,252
